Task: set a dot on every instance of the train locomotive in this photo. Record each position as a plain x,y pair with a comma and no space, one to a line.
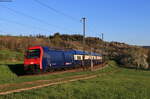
45,58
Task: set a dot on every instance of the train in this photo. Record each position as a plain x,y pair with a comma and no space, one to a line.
43,58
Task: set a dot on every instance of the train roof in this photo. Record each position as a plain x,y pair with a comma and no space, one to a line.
79,52
74,51
85,53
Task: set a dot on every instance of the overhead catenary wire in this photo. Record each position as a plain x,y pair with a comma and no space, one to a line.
9,33
57,11
6,33
2,32
22,24
89,30
35,18
40,20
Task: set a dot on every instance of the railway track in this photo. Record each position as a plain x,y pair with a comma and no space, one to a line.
97,67
44,83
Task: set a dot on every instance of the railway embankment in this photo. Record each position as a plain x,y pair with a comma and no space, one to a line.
19,84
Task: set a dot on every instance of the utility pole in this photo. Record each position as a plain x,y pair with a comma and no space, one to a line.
102,36
103,47
84,22
91,61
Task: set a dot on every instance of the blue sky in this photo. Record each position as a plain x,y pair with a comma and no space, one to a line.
120,20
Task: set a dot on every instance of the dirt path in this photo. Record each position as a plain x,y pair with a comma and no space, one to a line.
44,83
53,73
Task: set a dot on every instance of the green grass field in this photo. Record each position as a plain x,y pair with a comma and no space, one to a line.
9,75
125,84
9,55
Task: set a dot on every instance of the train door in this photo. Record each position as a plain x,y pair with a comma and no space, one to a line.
57,59
68,58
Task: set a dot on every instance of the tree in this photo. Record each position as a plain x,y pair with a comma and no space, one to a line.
135,58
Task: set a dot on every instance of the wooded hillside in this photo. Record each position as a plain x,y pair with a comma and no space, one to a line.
124,54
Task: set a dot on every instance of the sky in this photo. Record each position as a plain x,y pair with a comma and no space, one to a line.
125,21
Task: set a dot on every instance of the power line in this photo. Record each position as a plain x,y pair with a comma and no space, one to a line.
9,33
34,18
2,32
21,24
57,11
89,29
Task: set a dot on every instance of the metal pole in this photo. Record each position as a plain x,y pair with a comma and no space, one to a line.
84,21
91,61
102,36
103,47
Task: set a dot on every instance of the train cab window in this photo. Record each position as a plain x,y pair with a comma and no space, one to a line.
35,53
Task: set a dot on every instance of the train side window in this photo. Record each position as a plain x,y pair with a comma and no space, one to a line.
78,57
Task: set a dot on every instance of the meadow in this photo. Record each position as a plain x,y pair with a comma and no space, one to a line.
125,84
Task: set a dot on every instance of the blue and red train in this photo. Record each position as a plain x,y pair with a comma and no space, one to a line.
45,58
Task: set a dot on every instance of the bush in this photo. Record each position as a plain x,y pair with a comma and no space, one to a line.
135,58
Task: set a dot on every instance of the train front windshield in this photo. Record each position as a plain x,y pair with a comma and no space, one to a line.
35,53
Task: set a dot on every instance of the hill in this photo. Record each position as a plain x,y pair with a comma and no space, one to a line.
127,83
146,46
124,54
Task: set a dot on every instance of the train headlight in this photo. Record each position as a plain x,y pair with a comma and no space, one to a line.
32,63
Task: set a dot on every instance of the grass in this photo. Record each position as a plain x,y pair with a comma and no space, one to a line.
17,79
127,84
6,74
9,55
